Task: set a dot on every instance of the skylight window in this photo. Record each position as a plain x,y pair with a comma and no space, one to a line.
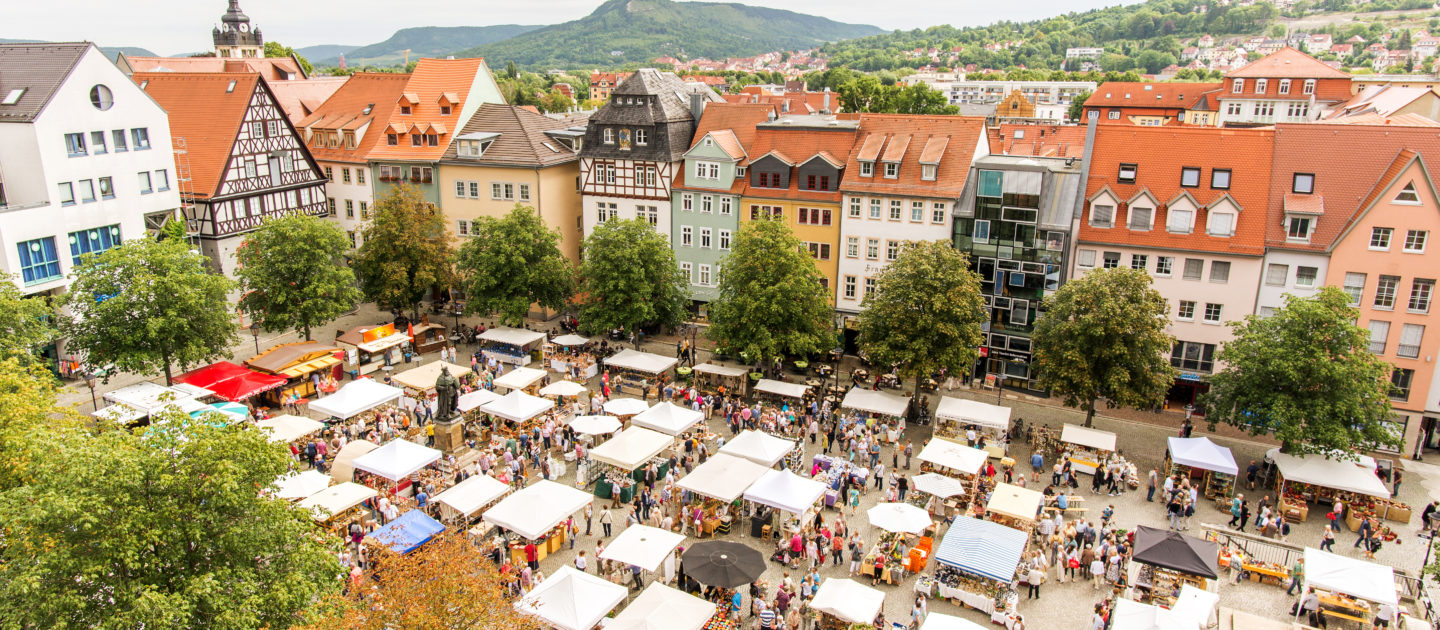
230,88
13,97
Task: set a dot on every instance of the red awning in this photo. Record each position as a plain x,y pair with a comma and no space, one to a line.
230,381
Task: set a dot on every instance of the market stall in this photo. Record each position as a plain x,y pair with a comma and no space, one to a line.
614,464
230,381
643,363
976,565
710,378
841,602
1014,507
668,418
594,425
536,513
898,550
336,500
287,429
931,491
787,492
427,336
300,485
1320,479
1166,560
134,403
781,389
1086,448
650,548
833,472
625,407
661,607
407,533
522,378
569,357
511,345
888,409
368,348
471,401
464,500
421,380
342,469
953,416
1192,610
519,408
572,600
761,448
716,484
956,461
356,398
1212,466
1349,589
563,388
397,459
303,364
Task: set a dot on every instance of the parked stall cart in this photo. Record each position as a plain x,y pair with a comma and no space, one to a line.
711,377
368,348
1320,479
888,409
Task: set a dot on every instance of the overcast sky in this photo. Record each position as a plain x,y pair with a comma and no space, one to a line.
170,27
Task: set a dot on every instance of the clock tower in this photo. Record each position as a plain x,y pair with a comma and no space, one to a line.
236,37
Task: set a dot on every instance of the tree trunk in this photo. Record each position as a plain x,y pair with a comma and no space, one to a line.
307,333
169,380
915,402
1090,414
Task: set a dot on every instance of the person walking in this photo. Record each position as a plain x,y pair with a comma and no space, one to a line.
1150,489
1235,504
1244,514
1297,575
606,520
1035,577
589,512
1327,539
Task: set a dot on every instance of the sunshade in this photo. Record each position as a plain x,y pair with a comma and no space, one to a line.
899,517
1176,551
1091,438
1202,453
1015,501
336,499
953,456
518,406
722,563
230,381
1190,612
148,398
595,425
572,600
519,378
982,548
355,398
408,532
973,412
723,477
562,388
1330,473
781,388
235,412
721,370
631,448
938,485
422,379
641,361
625,406
941,621
288,428
1356,578
300,485
343,468
467,497
397,459
758,447
876,402
535,509
668,418
570,340
660,607
785,490
512,336
848,600
643,546
475,399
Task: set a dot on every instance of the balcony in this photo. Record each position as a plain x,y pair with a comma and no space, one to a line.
1404,350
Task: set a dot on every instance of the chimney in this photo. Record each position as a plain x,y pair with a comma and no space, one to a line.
785,106
826,107
697,105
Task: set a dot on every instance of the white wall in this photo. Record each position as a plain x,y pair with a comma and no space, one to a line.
625,208
1272,296
354,192
883,230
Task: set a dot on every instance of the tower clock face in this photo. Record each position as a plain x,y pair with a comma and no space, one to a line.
244,28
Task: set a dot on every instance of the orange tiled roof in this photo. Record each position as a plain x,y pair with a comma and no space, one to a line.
1287,63
798,145
1160,153
273,68
1038,140
1397,167
301,97
964,133
1157,95
1372,118
206,114
344,110
432,79
739,118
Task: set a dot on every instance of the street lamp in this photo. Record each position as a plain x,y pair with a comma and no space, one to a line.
1000,379
90,382
255,334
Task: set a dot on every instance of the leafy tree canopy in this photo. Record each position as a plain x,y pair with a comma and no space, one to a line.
406,250
276,49
293,274
27,324
629,279
771,303
511,263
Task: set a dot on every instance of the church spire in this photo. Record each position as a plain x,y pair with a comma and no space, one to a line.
236,37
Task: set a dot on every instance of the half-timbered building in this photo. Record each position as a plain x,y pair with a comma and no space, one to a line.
238,158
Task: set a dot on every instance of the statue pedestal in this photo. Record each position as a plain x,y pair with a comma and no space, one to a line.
450,435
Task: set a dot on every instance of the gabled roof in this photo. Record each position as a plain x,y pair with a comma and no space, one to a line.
1038,140
777,155
1155,95
1142,194
809,138
965,134
1381,99
522,139
672,97
1184,195
431,78
272,68
206,112
1389,178
1287,63
726,140
302,97
345,110
825,157
39,70
739,119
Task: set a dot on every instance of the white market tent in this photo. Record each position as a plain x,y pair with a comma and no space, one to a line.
534,510
1089,438
466,498
343,468
1202,453
631,448
299,485
668,418
785,491
356,398
336,499
422,379
758,447
1014,501
974,412
660,607
643,546
397,459
876,402
1356,578
572,600
288,428
941,621
562,388
594,425
625,406
519,378
641,361
512,336
1191,611
518,406
938,485
473,400
953,456
723,477
848,600
570,340
781,388
149,398
721,370
899,517
1330,473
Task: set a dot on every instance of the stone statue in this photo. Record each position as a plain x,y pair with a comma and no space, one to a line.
447,394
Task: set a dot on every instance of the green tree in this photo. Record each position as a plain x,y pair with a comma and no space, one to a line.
925,312
771,302
1305,376
510,263
1077,106
555,102
920,98
1103,336
26,323
276,49
406,251
28,416
148,305
293,274
162,530
629,279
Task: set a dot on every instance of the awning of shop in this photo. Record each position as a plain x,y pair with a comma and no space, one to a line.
983,548
876,402
384,343
1090,438
307,367
230,381
973,412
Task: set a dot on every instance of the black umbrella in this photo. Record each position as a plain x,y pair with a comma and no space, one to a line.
723,564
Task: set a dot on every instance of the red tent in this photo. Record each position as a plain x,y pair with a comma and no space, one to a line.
230,381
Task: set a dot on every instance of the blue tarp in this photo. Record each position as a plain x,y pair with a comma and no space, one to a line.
409,532
982,548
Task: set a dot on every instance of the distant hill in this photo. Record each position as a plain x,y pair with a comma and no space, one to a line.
423,41
110,51
324,51
637,31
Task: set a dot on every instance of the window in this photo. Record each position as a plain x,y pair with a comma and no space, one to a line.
1111,260
1232,109
892,170
1407,195
329,174
1085,258
107,190
1354,287
648,176
927,172
892,250
1220,179
725,206
819,251
1139,262
917,212
140,137
854,211
849,284
87,190
642,136
1309,87
524,192
1260,85
359,175
1192,356
1284,86
1380,238
1128,172
1114,114
118,136
768,180
1385,291
705,237
406,110
872,248
445,110
867,169
852,246
649,213
272,128
1220,271
895,210
145,187
364,211
1212,313
981,231
1303,184
1141,218
1400,383
704,276
13,96
1410,336
1237,86
1276,275
1415,241
724,238
937,212
97,141
1102,216
869,286
607,136
609,173
687,202
1164,265
1179,221
1298,228
685,269
1190,177
350,209
687,236
1264,110
1305,276
392,140
1379,331
67,192
462,227
345,175
75,144
1186,311
875,209
1194,268
1220,224
332,206
38,260
1420,291
1298,109
351,234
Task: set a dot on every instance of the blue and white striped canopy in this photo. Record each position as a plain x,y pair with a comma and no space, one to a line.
982,548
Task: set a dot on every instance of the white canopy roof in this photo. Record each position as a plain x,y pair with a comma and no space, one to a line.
519,378
758,447
397,460
355,398
572,600
518,406
1202,453
723,477
973,412
1329,473
512,336
1356,578
668,418
899,517
876,402
570,340
642,546
288,428
941,621
299,485
660,607
1191,611
422,379
562,388
475,399
781,388
149,397
954,456
1015,501
938,485
785,490
336,499
534,510
594,425
641,361
467,497
721,370
625,406
343,468
631,448
849,600
1090,438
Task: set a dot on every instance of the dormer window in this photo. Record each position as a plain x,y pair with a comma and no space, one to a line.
1141,219
892,170
607,136
867,169
444,110
709,142
432,140
416,140
1179,220
1284,86
1309,87
1127,172
349,139
1303,184
642,137
1260,85
927,172
1102,216
392,139
1237,86
1298,228
1220,224
405,110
